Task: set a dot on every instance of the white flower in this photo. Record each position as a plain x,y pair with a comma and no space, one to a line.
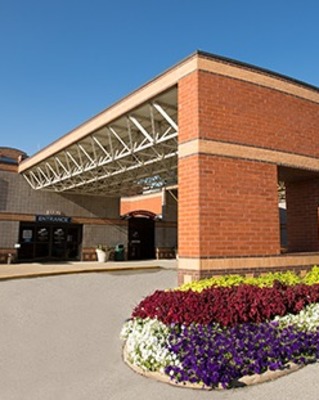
146,344
306,320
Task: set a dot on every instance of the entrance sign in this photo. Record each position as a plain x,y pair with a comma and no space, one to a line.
60,219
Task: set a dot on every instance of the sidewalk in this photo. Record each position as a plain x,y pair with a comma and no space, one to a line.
32,270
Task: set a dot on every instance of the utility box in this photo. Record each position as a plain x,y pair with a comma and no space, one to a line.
119,252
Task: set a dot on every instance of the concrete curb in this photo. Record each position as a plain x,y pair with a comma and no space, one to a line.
247,380
37,274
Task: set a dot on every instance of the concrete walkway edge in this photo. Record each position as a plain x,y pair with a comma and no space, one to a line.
33,270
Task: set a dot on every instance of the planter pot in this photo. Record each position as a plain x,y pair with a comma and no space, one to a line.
101,255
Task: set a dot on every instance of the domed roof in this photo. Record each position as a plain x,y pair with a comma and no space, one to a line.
10,155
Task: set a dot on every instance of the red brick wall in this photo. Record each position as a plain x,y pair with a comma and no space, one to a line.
227,207
188,207
188,122
188,168
302,215
238,207
236,111
153,203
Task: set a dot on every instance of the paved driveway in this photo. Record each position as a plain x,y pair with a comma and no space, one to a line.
59,341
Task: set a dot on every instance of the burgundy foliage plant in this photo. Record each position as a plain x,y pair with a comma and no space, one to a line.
227,306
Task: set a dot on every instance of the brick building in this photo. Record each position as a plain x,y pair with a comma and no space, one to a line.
52,226
227,132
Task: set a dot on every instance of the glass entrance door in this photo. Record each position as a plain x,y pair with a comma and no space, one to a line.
42,242
45,242
58,242
141,239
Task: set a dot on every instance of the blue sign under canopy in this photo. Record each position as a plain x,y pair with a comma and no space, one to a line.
57,219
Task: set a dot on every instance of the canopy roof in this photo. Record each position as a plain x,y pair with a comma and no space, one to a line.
134,152
132,146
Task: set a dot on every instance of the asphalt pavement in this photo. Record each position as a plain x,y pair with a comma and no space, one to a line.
59,340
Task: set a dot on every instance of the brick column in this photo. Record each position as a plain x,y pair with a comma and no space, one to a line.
228,207
302,215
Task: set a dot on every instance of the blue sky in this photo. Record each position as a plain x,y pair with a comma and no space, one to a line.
63,61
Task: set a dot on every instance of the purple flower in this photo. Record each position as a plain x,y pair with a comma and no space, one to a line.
212,356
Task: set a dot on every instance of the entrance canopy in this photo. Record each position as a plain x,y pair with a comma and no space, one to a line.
132,146
126,149
132,153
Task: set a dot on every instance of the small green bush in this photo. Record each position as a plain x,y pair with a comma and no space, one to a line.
312,276
287,278
224,281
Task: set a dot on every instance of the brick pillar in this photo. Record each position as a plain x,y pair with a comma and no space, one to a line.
228,207
302,215
188,170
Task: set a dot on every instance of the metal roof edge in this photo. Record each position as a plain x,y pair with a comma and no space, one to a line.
104,111
253,67
80,131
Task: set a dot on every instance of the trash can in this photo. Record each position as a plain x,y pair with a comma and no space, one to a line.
119,252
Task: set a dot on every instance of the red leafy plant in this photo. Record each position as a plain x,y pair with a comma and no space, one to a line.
227,306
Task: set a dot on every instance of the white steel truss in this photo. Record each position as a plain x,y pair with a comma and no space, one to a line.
136,152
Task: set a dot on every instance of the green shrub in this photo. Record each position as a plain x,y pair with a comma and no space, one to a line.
312,276
287,278
224,281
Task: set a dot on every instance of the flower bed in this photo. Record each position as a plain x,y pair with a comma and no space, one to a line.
217,335
286,278
227,306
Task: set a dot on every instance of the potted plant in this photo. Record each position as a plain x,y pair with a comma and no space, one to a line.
101,253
